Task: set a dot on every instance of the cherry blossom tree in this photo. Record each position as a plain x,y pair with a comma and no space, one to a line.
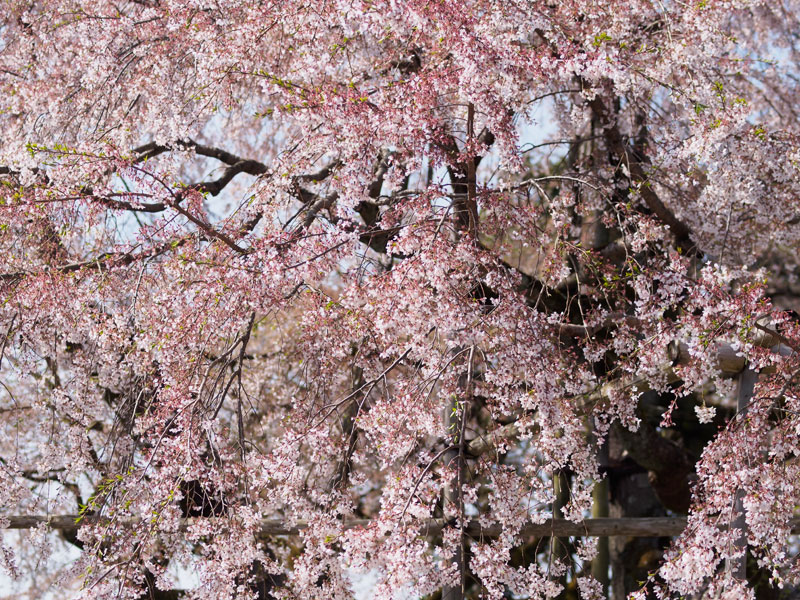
294,292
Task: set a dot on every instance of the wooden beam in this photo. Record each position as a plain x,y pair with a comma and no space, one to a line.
628,527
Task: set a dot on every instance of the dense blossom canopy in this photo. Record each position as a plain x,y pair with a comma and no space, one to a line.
369,265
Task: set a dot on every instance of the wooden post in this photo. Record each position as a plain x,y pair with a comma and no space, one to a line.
450,498
559,546
456,422
746,381
600,510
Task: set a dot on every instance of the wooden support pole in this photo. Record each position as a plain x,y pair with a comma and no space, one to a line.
605,527
600,563
559,546
744,394
457,414
450,500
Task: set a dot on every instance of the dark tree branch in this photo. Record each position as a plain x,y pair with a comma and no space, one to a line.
105,261
636,163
